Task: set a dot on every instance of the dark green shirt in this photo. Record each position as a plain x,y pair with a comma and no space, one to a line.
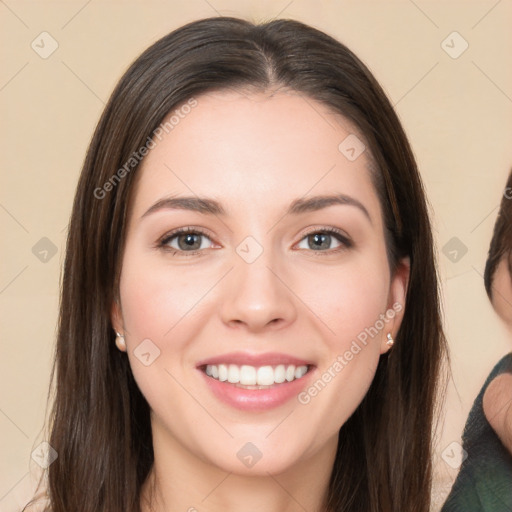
484,482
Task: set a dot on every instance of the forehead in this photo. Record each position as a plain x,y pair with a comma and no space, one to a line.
264,148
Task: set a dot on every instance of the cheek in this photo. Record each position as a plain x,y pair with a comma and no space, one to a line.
156,297
162,310
351,313
350,300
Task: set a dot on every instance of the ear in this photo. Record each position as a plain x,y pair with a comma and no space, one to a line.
396,301
116,317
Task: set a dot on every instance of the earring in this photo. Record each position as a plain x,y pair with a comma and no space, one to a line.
390,341
120,343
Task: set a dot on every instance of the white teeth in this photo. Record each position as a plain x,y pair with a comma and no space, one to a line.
300,371
233,374
248,375
265,376
223,372
251,376
280,374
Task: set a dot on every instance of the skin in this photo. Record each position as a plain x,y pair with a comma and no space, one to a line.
497,400
254,153
501,290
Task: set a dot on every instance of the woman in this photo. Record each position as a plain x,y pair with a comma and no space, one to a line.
484,482
249,299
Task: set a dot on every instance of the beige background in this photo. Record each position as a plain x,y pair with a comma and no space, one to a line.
457,113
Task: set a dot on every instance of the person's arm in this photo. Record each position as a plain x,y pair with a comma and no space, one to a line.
497,405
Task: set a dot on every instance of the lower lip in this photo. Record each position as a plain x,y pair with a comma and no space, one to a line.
256,399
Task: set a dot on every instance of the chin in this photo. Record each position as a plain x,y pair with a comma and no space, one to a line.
255,458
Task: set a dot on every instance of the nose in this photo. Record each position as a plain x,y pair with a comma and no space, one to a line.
258,296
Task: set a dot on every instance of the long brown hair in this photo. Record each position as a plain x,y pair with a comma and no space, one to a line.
100,423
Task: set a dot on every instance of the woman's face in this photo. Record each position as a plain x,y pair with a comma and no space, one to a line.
260,285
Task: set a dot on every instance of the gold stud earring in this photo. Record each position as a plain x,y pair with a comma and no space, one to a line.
120,343
390,341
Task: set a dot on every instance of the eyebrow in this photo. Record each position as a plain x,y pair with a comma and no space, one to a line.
209,206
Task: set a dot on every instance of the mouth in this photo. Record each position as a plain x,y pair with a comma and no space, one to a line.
255,382
254,377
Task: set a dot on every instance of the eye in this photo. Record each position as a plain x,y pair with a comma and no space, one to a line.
322,240
193,241
190,240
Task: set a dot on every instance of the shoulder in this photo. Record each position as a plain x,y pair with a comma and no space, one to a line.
497,406
504,365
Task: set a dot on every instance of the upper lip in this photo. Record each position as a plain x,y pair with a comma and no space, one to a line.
265,359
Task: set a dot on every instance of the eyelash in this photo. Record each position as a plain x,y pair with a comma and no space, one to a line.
162,243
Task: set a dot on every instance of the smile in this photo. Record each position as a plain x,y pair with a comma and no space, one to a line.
252,377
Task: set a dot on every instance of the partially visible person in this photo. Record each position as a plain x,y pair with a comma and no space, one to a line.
484,483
